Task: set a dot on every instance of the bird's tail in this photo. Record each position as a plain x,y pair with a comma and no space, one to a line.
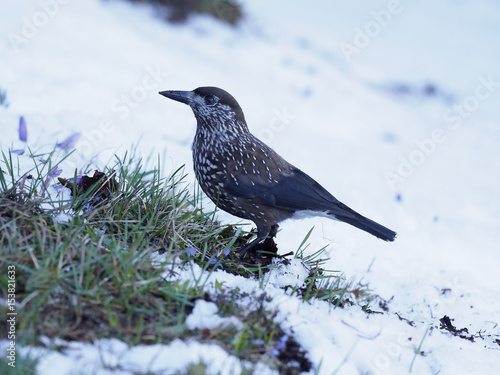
350,216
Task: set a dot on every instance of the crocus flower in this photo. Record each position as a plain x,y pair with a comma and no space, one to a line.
281,346
190,251
78,179
54,172
18,152
69,142
23,135
23,130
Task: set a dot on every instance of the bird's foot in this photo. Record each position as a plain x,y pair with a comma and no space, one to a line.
266,248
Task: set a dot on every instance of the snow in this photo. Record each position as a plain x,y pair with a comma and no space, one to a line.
95,67
112,356
204,316
292,275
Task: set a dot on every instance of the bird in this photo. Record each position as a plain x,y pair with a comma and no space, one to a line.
248,179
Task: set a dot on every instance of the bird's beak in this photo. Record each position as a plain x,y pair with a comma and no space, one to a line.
180,96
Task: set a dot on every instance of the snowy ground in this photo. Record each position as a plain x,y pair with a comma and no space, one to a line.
392,106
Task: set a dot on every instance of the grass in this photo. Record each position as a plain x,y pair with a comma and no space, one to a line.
24,365
325,284
102,273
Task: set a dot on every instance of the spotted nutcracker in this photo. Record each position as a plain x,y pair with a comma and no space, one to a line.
248,179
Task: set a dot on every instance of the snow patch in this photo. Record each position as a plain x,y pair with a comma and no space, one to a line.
205,315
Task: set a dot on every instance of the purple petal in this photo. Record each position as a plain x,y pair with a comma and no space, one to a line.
213,261
18,152
226,252
69,142
190,251
54,172
23,130
78,179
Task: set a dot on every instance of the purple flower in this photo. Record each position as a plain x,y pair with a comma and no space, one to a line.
226,252
23,130
54,172
69,142
190,251
282,344
18,152
213,261
78,179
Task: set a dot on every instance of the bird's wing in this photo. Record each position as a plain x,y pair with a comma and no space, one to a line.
249,187
292,191
298,191
277,184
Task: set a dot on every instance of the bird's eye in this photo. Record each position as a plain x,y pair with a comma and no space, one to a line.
210,100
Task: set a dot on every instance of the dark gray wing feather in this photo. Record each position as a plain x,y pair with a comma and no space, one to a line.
296,192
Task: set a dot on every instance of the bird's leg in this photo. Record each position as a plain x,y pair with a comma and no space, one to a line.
260,237
249,246
272,234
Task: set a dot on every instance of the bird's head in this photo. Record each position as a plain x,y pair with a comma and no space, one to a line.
213,107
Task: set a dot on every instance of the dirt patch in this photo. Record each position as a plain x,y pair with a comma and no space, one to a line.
446,325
